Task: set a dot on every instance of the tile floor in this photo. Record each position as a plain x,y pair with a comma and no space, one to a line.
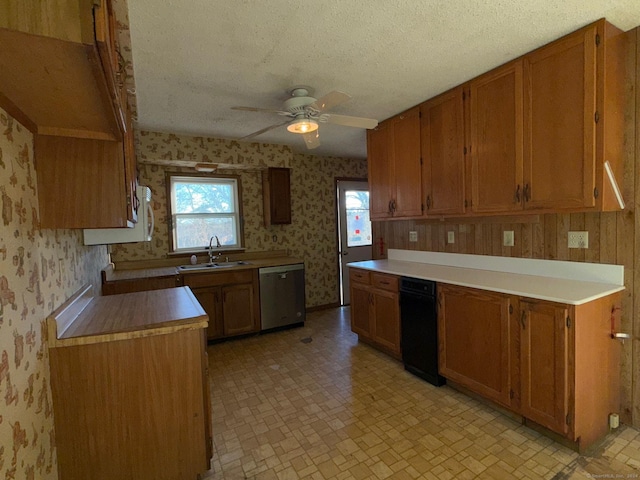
313,403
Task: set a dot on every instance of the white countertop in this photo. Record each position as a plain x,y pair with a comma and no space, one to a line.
562,290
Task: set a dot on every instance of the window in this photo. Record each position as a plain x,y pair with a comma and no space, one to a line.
202,207
358,223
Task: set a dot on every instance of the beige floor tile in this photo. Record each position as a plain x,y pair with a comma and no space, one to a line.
338,409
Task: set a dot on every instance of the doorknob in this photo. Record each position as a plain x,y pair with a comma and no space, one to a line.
345,253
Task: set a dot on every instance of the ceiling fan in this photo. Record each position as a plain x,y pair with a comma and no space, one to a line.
304,114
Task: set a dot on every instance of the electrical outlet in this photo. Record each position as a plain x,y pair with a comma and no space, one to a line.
413,236
578,240
507,238
451,237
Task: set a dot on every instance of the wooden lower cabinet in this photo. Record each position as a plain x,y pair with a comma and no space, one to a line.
475,348
230,299
554,364
375,309
134,408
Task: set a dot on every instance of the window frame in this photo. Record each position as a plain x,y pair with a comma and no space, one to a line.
202,177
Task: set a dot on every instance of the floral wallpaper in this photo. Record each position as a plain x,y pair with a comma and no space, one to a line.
39,270
312,234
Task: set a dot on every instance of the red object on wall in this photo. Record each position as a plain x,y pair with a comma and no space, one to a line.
381,245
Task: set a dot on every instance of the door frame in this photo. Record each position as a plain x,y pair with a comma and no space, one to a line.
336,211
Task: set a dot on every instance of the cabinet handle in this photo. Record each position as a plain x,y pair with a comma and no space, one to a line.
390,206
518,194
428,202
523,316
526,193
393,205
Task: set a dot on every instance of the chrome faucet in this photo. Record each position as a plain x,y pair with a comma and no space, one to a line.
211,256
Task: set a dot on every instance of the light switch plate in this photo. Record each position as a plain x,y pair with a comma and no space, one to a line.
451,237
507,238
413,236
578,240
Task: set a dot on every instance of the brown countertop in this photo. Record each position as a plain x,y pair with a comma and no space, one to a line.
86,319
111,274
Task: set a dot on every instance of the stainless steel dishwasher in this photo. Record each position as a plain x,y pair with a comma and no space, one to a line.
282,296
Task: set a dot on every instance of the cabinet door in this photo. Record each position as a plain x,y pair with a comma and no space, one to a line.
406,159
544,364
277,196
496,143
209,298
360,306
386,320
473,326
381,171
442,144
560,129
237,309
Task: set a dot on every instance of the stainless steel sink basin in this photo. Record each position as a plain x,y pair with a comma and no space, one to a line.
210,266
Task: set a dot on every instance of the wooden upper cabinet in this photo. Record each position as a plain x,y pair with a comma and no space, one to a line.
405,138
380,169
54,79
393,158
574,120
442,145
494,103
276,191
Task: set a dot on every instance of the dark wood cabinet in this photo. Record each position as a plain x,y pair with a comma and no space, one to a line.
380,168
276,190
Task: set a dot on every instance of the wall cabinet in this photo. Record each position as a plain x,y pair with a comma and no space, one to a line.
393,159
63,82
230,299
375,309
442,145
543,360
574,111
495,148
276,191
532,135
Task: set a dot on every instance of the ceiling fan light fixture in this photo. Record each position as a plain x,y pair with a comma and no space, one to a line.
303,125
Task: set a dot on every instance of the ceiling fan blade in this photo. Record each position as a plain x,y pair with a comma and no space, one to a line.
254,109
348,121
330,100
260,132
311,139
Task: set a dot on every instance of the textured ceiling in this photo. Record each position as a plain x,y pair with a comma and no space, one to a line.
195,59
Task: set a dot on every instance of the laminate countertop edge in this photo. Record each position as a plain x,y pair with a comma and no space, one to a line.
129,316
570,292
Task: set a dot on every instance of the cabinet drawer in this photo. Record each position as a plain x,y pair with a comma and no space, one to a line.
360,276
384,282
213,279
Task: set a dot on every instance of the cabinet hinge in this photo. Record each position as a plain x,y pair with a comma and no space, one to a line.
597,39
596,117
464,95
422,207
510,309
568,419
420,160
595,192
568,322
511,394
464,150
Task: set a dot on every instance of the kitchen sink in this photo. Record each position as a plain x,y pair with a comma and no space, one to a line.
207,266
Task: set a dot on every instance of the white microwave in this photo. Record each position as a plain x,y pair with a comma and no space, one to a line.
141,231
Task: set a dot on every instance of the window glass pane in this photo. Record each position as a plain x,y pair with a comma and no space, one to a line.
195,231
358,223
200,197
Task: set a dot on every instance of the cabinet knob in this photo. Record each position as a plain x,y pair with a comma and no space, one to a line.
527,193
523,317
518,194
428,202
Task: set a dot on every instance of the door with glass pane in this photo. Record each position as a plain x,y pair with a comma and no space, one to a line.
354,229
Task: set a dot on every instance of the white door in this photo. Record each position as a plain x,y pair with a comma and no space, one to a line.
354,229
